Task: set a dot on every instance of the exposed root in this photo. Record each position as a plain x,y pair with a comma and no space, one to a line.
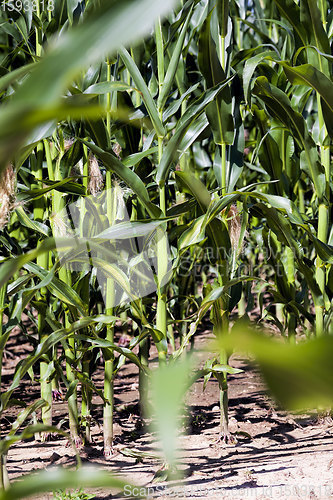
57,395
45,436
78,442
324,418
228,439
109,452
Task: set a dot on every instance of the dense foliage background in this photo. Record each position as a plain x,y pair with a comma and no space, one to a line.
211,120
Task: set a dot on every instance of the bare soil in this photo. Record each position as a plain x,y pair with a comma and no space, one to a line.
278,455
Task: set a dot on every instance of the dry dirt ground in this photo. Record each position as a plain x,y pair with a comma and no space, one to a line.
278,455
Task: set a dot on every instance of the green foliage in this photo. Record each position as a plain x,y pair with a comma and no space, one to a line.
214,120
74,495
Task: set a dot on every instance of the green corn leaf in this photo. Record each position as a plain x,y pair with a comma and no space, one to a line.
174,106
105,344
128,229
134,159
107,87
10,266
263,36
219,112
142,87
71,389
225,369
291,11
108,27
193,132
24,414
222,14
65,185
173,65
53,479
310,17
280,107
218,292
285,367
127,175
216,229
31,224
250,67
281,203
51,340
192,113
28,433
60,289
308,75
282,228
194,234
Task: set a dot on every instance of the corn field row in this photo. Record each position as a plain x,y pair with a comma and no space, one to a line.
160,163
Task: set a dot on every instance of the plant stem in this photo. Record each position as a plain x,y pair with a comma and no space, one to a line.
162,266
38,31
108,354
85,390
109,302
86,400
162,259
220,312
143,379
223,146
58,205
220,328
323,225
42,260
224,168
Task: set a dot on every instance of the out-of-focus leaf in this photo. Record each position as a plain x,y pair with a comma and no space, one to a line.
168,387
298,376
53,479
109,26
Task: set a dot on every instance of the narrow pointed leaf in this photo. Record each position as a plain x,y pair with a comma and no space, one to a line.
132,180
170,153
142,87
219,112
173,65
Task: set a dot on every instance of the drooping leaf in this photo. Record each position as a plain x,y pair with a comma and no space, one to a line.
219,112
192,113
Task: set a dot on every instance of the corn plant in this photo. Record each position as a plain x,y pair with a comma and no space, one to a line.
199,128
